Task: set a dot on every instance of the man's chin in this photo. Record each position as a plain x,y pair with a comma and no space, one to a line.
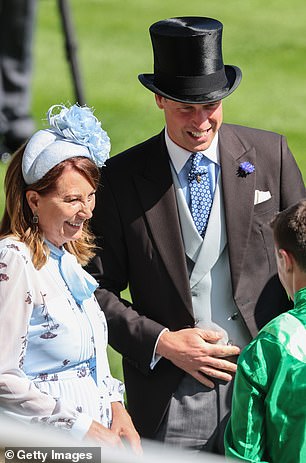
200,143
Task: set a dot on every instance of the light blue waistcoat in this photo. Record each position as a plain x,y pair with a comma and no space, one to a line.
209,270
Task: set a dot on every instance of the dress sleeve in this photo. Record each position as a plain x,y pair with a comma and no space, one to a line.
19,397
116,390
245,438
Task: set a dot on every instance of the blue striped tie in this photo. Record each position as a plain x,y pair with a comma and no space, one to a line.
200,194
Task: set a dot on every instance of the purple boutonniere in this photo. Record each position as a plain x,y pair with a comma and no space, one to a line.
245,168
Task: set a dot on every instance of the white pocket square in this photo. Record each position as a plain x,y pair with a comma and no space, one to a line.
261,196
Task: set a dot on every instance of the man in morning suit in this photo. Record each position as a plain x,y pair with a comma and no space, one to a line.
183,220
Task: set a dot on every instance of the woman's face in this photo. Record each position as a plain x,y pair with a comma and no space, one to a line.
62,212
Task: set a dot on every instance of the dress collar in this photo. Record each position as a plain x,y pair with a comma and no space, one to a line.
54,250
80,283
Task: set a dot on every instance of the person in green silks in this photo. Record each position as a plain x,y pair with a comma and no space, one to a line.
268,422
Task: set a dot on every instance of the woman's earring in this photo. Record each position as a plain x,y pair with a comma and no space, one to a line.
35,218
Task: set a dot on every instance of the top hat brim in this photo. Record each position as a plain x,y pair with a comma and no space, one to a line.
233,74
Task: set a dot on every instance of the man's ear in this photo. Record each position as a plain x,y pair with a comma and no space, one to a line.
33,200
159,101
287,259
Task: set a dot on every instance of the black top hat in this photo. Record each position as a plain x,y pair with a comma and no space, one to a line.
188,64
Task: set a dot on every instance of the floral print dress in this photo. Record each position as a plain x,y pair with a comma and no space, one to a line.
53,359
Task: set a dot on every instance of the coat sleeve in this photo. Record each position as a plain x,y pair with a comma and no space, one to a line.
292,186
132,334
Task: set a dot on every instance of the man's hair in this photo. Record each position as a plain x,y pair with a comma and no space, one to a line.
289,229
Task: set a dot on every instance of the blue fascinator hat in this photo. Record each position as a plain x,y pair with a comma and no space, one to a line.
73,131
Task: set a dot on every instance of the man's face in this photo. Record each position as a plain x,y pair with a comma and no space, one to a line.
191,126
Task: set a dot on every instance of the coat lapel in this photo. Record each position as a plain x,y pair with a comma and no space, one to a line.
157,195
238,197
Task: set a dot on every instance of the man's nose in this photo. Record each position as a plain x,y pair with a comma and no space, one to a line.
200,116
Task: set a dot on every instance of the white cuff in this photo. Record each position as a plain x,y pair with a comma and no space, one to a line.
156,357
81,426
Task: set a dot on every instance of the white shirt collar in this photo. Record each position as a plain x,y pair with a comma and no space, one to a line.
179,156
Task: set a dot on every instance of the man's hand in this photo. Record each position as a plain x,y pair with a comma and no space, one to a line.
195,351
122,425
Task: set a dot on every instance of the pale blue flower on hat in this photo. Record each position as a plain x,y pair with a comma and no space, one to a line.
79,125
74,131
